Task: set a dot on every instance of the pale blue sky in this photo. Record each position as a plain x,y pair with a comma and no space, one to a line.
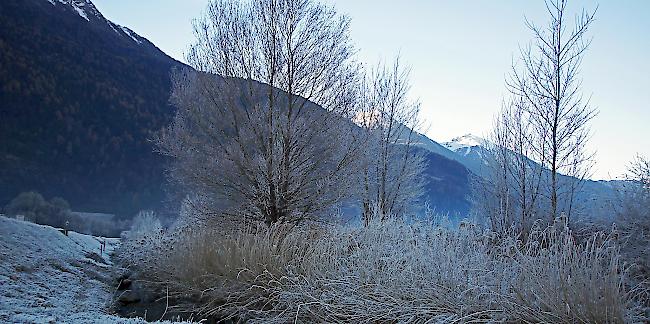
460,51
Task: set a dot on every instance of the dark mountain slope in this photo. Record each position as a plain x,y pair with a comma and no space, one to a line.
447,185
79,97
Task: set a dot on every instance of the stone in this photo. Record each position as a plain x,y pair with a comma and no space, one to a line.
128,297
124,284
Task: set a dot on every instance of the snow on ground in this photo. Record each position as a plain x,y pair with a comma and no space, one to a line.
130,33
79,6
47,277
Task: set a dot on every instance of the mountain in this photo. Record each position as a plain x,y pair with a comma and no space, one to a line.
596,198
471,152
464,143
447,185
79,98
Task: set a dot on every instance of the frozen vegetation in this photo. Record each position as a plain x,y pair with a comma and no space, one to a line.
390,271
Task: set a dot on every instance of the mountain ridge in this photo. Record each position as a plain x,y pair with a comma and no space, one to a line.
597,197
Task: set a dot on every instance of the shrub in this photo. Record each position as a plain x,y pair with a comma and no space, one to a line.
561,280
144,223
391,272
633,224
140,245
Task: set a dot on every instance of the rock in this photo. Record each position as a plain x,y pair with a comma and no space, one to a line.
124,275
124,284
128,297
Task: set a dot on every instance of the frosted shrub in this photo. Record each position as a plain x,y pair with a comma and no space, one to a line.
242,272
144,223
395,272
140,246
633,221
562,281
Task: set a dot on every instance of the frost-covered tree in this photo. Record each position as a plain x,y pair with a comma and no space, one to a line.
536,152
392,167
548,81
509,195
633,221
144,223
639,171
263,129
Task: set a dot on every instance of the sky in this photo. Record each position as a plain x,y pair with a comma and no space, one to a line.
460,52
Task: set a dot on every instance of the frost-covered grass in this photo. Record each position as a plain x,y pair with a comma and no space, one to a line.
47,277
393,272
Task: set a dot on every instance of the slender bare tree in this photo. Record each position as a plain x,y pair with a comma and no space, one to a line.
492,194
525,173
263,128
548,82
639,171
392,167
510,194
633,223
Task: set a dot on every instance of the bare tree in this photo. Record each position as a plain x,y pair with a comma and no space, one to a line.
492,194
633,224
392,167
510,194
635,194
548,83
263,128
525,173
639,171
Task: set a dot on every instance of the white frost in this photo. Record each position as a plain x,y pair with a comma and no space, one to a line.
47,277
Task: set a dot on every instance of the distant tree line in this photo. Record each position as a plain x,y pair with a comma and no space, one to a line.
56,212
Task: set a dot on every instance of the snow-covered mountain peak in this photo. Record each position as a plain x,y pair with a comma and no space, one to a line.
87,10
84,8
465,141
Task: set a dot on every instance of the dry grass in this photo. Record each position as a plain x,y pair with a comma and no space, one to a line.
562,281
396,272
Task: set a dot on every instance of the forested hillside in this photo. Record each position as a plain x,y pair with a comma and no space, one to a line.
80,97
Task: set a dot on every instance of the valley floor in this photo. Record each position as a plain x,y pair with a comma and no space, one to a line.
47,277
